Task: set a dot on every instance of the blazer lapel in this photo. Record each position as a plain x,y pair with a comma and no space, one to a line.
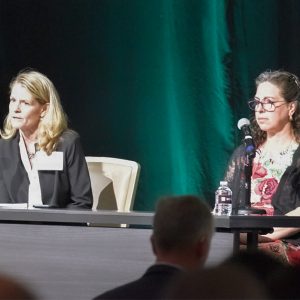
15,176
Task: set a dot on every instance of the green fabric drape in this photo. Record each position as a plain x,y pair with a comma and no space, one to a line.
161,82
167,71
190,101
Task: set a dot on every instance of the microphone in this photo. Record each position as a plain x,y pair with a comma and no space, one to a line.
244,208
244,125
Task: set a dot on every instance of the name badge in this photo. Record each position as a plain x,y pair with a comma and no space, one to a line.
52,162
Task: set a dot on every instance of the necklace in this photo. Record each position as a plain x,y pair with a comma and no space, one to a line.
30,154
270,156
285,151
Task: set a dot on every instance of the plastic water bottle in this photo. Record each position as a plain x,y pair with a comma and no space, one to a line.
223,202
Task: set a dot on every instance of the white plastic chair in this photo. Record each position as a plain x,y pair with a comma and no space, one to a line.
114,182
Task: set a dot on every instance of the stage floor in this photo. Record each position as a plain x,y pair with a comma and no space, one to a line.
78,262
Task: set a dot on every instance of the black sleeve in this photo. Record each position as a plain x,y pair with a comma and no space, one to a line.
79,179
287,195
235,177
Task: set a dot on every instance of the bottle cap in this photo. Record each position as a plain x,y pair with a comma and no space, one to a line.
223,182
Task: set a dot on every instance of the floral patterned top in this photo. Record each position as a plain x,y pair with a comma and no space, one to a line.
286,194
266,174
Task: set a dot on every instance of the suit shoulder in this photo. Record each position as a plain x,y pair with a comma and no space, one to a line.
129,290
69,136
69,133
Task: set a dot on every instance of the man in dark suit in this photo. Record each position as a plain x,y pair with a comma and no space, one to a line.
182,232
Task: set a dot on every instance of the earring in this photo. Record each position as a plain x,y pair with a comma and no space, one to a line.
291,117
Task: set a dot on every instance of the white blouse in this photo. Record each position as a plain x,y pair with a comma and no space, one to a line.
34,191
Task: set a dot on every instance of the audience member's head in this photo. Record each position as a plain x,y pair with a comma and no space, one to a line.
267,268
11,289
182,231
219,282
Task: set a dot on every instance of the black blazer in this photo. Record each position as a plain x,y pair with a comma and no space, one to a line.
150,286
69,188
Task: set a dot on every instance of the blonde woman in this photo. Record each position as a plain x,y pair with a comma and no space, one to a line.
41,160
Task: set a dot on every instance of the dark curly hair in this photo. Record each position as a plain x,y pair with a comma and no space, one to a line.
289,86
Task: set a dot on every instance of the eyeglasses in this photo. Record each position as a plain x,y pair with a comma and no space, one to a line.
266,103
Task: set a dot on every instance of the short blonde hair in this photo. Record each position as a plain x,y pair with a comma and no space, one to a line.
54,122
180,221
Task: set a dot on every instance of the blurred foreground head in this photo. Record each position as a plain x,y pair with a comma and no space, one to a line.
11,289
220,282
182,231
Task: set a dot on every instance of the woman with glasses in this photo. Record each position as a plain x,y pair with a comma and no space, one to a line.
41,160
275,180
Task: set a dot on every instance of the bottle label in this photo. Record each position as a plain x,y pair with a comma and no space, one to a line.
224,199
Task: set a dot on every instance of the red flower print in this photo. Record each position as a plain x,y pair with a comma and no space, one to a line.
266,189
258,171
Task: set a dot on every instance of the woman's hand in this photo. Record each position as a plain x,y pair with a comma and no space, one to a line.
277,234
261,238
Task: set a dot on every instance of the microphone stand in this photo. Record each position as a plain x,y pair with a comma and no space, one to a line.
246,209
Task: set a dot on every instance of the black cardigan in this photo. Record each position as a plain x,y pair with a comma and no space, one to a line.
69,188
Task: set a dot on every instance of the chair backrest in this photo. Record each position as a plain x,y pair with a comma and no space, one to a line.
114,182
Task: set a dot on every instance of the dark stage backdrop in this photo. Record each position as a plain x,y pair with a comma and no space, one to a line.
161,82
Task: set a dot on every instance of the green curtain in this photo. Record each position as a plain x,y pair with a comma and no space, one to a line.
182,72
161,82
166,69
